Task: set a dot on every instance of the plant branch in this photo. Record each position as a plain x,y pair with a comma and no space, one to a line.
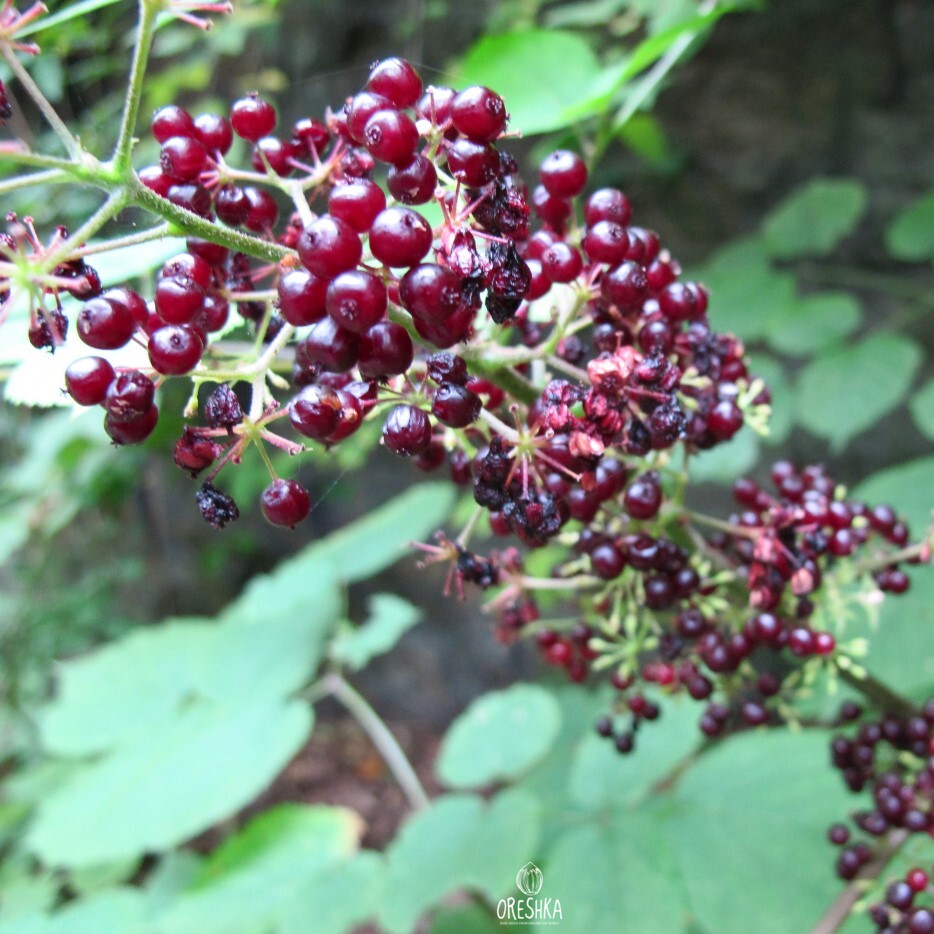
837,914
117,243
115,203
72,147
148,10
880,694
48,177
382,738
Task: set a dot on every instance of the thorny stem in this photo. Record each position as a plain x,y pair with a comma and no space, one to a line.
387,745
839,911
72,146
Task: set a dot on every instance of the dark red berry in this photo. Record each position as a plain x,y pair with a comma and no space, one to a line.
407,431
357,203
182,158
479,113
131,432
430,292
175,349
390,136
356,300
607,204
252,118
285,502
129,396
396,80
399,237
214,132
413,182
563,173
455,405
329,247
302,297
385,350
643,498
329,345
178,299
87,379
171,120
473,163
105,325
232,205
315,412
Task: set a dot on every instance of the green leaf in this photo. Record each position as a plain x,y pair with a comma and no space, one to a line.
63,16
645,136
907,488
170,782
121,909
922,409
746,293
499,736
390,618
368,545
814,218
255,876
739,808
539,72
813,323
848,389
469,919
459,842
911,235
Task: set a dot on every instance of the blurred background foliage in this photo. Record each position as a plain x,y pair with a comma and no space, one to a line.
782,152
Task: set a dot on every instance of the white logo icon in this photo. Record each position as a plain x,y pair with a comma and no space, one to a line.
529,879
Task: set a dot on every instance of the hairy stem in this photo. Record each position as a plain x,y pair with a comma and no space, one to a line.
382,738
145,28
48,177
72,147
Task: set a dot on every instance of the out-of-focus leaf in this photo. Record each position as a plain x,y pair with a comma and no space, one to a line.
911,235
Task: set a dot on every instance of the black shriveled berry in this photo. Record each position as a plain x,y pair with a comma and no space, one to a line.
217,508
222,408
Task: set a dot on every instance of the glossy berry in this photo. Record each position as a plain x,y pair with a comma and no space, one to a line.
473,163
175,349
607,204
87,379
333,347
399,237
329,247
178,299
105,325
252,117
624,285
285,502
643,498
397,81
606,242
479,113
430,292
455,406
214,133
232,205
563,173
302,297
357,203
413,182
356,300
263,213
406,431
133,431
171,121
385,350
315,412
359,109
129,396
390,136
183,158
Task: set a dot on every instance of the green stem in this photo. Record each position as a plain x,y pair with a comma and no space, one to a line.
115,203
148,10
144,236
72,147
191,225
382,739
48,177
36,160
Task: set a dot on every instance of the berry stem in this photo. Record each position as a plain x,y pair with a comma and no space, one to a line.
115,203
884,698
714,523
387,745
839,911
104,246
48,177
145,29
72,146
